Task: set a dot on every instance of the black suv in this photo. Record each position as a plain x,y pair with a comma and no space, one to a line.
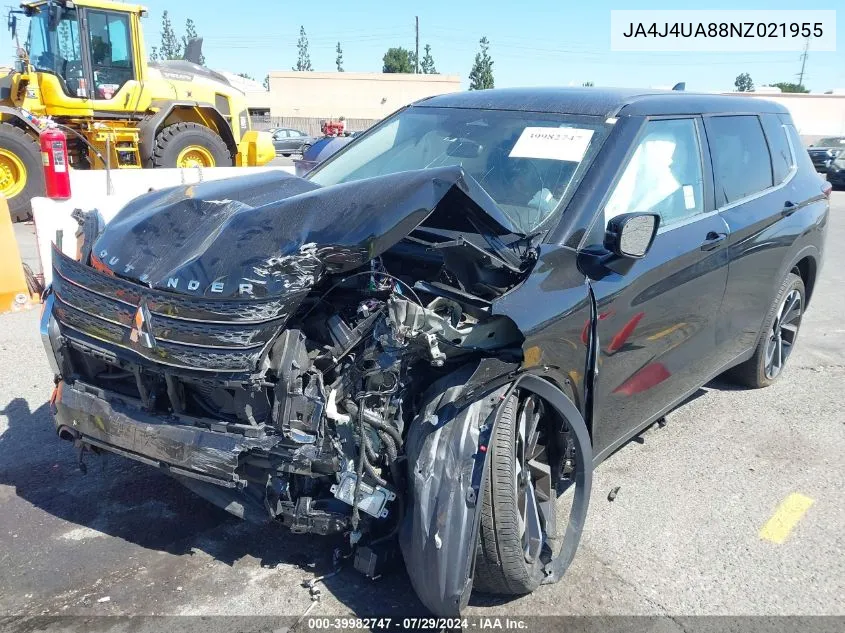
432,340
828,156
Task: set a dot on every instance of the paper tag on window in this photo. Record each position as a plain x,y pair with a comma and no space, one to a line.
556,143
689,197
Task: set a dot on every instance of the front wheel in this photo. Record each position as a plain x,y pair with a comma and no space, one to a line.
518,503
778,339
190,145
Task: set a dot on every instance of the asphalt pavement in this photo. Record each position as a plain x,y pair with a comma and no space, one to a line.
690,531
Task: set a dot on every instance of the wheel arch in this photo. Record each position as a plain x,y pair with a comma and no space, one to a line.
13,116
807,269
184,112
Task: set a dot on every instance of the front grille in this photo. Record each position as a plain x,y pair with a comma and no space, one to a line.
222,335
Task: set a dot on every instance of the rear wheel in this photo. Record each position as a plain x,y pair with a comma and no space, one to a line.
778,339
518,503
190,145
21,173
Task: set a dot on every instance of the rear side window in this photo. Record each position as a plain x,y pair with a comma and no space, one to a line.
740,154
782,159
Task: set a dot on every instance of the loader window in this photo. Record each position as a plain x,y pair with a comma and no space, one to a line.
111,52
58,50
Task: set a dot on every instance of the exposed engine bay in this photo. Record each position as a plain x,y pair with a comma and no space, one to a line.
324,413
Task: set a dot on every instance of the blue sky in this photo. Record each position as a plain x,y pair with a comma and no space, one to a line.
532,42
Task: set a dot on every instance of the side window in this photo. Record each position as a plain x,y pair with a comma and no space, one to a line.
664,175
741,163
782,159
295,133
111,52
280,134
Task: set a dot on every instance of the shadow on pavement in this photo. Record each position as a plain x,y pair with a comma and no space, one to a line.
141,505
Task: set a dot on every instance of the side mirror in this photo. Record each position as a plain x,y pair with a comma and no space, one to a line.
631,234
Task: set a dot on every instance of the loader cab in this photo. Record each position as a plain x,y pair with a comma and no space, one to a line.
86,55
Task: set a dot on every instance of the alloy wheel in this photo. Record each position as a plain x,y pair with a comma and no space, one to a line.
535,490
783,333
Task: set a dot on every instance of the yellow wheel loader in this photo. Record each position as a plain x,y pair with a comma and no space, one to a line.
85,67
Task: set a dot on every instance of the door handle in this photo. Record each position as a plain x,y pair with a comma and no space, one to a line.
713,240
788,209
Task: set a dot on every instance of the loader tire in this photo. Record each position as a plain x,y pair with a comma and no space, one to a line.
190,145
21,172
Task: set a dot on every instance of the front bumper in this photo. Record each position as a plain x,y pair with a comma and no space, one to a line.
116,424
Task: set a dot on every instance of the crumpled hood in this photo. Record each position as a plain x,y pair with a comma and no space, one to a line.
271,233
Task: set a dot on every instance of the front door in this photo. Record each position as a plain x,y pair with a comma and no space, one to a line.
110,51
656,323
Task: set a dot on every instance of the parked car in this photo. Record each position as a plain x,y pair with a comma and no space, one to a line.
828,157
319,151
449,324
289,141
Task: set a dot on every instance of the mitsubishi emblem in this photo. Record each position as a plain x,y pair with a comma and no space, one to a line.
141,333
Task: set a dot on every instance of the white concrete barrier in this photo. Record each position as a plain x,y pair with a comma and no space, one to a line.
90,190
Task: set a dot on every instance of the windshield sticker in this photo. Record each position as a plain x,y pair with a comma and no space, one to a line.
567,143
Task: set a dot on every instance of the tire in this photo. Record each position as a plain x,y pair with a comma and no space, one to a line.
176,138
286,155
756,371
500,563
17,148
304,149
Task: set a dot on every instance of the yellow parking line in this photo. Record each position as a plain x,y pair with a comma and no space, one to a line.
666,332
786,517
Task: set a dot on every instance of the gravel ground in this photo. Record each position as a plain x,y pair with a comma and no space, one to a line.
680,539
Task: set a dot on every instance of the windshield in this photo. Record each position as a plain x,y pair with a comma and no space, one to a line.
57,50
528,162
832,141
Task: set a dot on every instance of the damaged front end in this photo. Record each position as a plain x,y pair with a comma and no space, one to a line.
273,344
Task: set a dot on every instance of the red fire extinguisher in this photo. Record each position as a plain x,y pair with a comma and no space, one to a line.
56,168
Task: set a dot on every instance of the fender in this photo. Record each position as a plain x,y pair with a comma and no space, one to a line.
15,113
151,126
446,472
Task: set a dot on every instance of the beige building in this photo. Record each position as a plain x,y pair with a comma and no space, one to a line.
815,115
351,95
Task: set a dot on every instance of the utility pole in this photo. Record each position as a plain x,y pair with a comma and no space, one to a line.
417,53
803,62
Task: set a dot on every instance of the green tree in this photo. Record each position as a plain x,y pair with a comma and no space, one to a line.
481,75
171,47
339,59
191,34
786,86
743,83
246,76
398,60
427,62
266,82
303,59
588,84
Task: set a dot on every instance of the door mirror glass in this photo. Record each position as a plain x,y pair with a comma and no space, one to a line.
631,234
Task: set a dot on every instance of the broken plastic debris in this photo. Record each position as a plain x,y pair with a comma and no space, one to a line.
612,495
104,599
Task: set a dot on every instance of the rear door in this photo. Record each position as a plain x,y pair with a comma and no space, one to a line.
656,322
753,168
